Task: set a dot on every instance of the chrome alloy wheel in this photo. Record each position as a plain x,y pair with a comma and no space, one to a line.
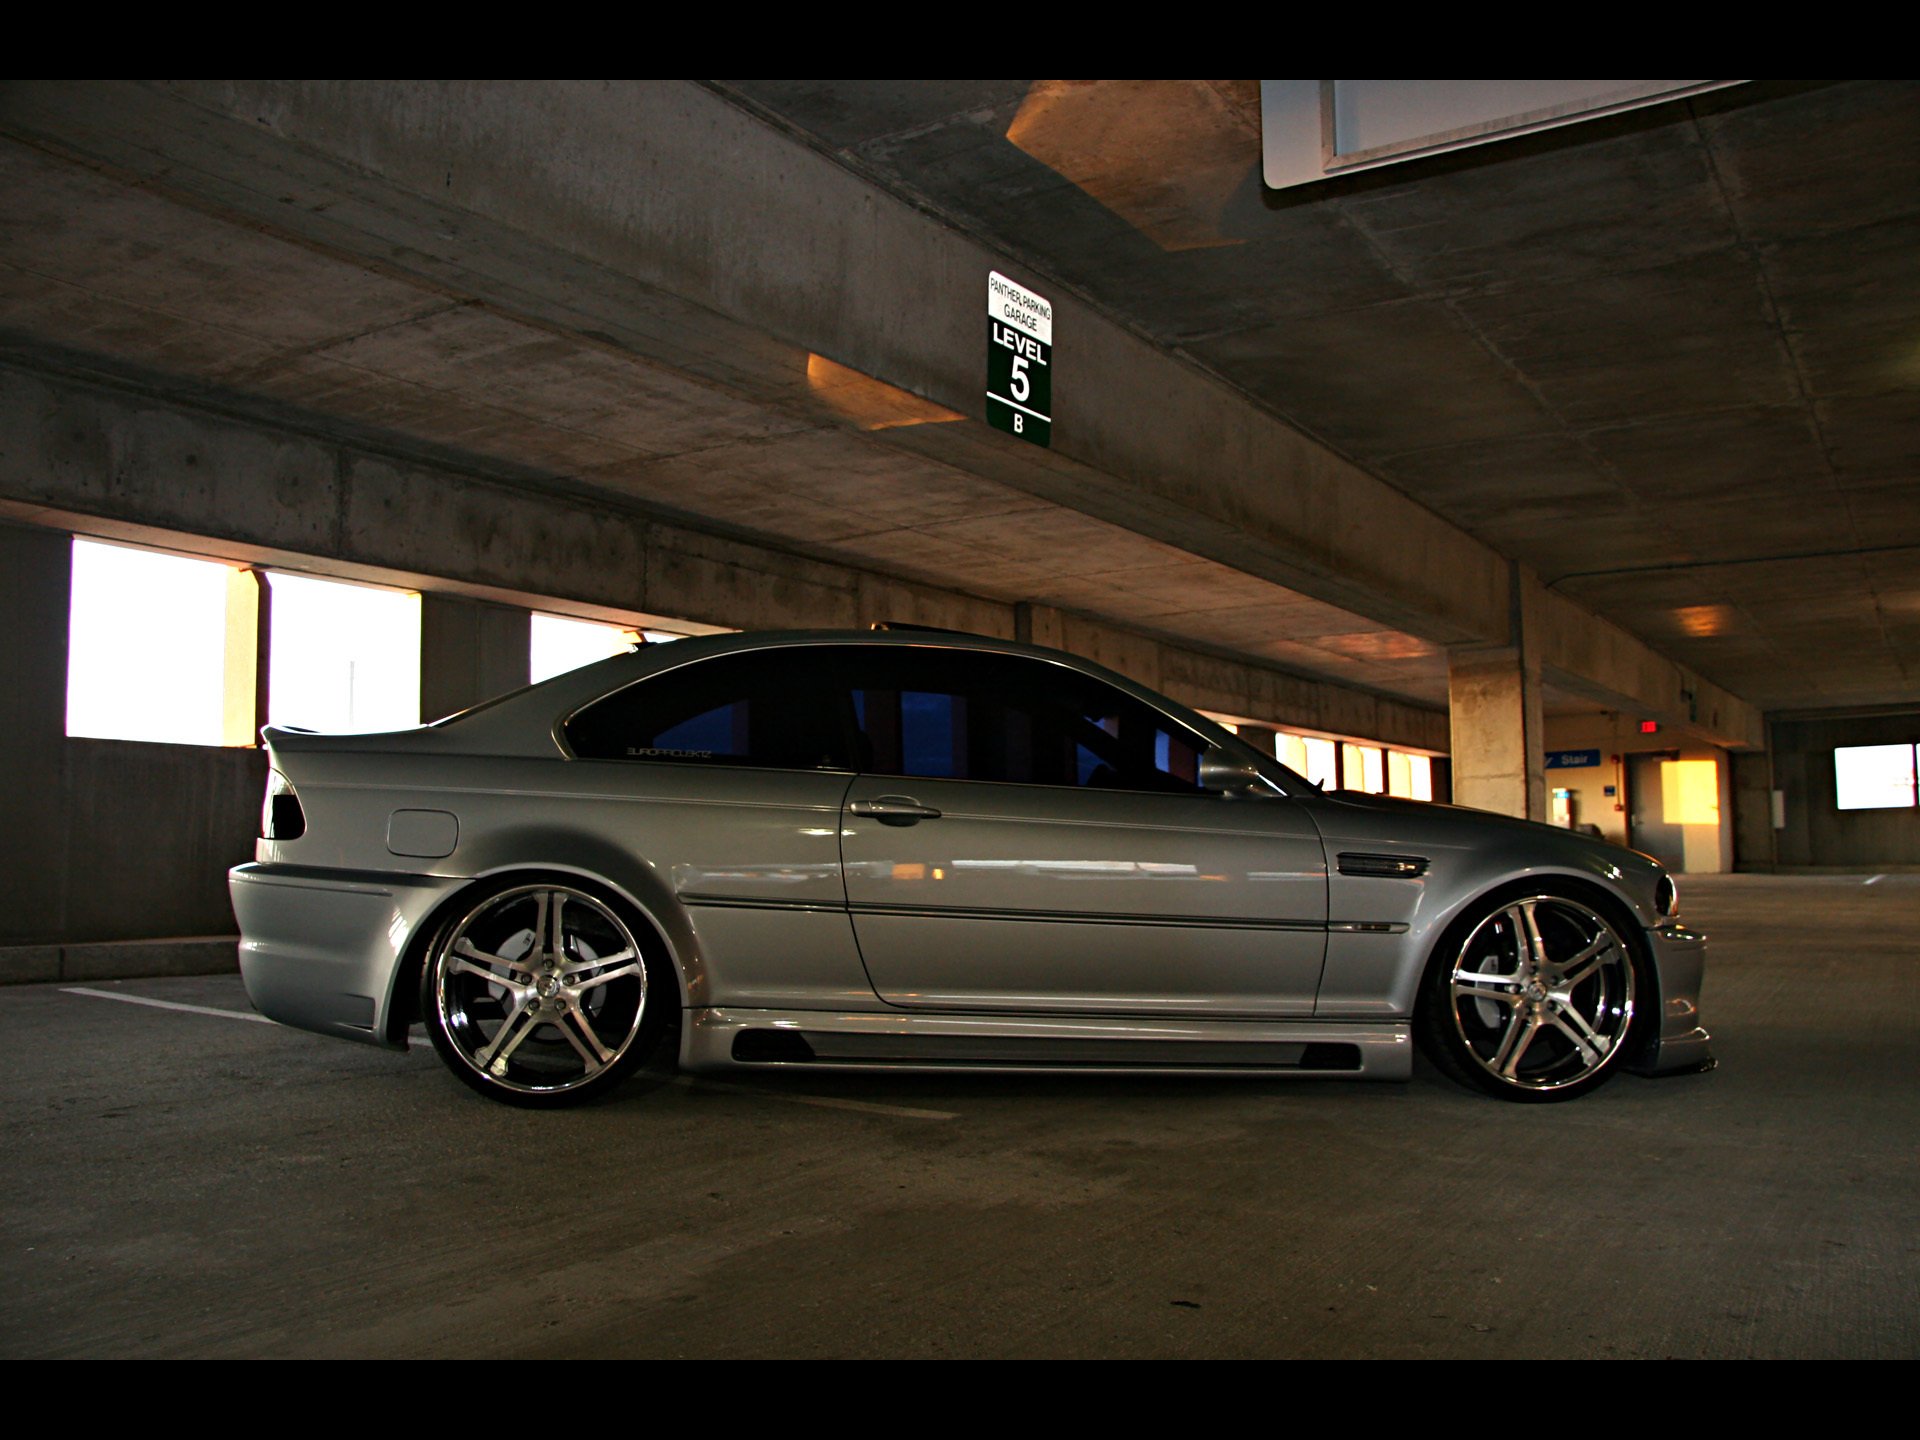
1542,993
538,993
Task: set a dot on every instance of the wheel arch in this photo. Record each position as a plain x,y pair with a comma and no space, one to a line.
1447,930
1574,883
1451,932
628,879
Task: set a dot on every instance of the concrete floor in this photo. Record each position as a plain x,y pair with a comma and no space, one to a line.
186,1184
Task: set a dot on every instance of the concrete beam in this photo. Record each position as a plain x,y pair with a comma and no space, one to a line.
741,252
105,460
1580,652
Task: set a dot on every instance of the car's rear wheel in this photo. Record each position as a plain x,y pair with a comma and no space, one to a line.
541,993
1531,997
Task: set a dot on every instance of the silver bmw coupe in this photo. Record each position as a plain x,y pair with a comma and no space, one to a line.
916,850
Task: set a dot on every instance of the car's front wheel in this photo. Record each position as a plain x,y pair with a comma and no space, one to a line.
541,993
1532,996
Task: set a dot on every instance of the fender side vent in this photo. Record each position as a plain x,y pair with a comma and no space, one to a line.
1387,867
772,1047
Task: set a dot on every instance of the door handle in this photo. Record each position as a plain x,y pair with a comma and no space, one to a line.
894,810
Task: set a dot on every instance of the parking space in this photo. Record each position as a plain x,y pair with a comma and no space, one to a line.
184,1181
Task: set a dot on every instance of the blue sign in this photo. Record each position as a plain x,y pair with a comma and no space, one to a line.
1572,759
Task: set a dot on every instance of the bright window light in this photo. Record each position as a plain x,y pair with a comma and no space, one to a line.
1291,750
560,644
1409,776
160,647
1362,769
1399,774
344,657
1873,777
1690,792
1320,762
1420,777
1306,755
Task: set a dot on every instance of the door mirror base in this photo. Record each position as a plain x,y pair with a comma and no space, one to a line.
1230,777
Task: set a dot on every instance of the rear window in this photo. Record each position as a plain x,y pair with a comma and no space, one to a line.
766,708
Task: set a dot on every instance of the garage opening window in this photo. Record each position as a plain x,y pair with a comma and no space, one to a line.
1362,767
1873,777
160,647
1409,776
1307,755
345,657
560,644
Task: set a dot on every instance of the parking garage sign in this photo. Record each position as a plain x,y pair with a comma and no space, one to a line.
1019,360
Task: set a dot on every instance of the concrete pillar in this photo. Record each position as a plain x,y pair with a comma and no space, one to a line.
1035,624
36,572
262,649
1493,703
1754,838
470,650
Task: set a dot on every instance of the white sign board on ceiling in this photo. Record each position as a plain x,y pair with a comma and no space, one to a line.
1313,129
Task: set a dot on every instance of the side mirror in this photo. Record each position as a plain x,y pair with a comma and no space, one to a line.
1229,776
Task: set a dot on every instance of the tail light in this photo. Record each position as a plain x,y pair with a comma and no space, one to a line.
281,817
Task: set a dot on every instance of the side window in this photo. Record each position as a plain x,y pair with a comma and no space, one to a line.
765,708
964,715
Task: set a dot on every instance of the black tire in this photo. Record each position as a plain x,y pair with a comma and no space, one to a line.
1535,994
544,991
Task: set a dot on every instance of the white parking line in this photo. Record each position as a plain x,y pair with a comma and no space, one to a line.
165,1004
1875,881
865,1107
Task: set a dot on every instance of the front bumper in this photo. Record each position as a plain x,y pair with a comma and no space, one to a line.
321,949
1680,1046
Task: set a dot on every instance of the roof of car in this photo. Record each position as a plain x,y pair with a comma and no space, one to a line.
524,721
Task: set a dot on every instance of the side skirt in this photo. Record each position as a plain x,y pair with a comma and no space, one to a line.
731,1039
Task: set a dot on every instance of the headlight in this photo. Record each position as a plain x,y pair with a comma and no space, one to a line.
1666,895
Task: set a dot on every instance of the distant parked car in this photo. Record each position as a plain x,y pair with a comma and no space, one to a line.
914,850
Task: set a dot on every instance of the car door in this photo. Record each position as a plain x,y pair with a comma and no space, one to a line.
726,778
1026,837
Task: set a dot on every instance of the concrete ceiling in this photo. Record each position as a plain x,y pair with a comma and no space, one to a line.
1669,360
169,285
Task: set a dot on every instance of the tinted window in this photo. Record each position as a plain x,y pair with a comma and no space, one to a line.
772,708
961,715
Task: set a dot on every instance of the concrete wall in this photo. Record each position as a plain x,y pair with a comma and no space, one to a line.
1818,833
102,840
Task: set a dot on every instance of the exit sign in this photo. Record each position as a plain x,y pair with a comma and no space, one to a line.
1019,360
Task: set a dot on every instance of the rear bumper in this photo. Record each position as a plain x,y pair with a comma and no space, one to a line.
1680,1046
320,949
